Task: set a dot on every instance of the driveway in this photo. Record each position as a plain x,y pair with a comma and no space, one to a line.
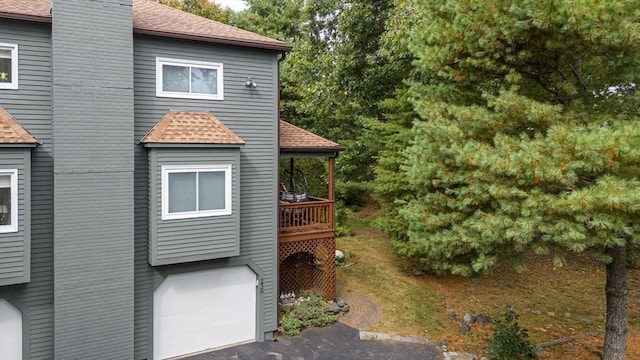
336,342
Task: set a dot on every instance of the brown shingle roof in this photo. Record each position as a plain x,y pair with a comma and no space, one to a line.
295,139
11,132
178,127
151,18
36,10
156,19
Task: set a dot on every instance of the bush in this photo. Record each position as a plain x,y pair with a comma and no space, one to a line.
342,225
352,193
509,341
310,312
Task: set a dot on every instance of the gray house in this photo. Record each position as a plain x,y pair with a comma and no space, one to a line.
138,181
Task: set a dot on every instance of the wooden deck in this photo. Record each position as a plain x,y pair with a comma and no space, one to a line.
306,220
306,246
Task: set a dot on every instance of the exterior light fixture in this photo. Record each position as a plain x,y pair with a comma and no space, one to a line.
250,84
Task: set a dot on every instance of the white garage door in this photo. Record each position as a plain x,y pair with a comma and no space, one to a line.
10,331
202,310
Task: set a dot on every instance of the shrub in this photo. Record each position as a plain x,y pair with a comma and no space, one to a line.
310,312
342,225
353,193
509,341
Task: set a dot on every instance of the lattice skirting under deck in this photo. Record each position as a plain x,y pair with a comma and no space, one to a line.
308,265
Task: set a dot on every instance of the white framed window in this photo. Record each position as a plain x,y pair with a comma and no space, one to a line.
189,79
8,66
195,191
8,200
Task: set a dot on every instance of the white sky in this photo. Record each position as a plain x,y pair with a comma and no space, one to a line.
235,5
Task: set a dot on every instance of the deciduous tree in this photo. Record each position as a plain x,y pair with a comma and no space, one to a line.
204,8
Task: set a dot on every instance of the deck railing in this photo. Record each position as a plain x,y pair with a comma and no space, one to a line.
317,214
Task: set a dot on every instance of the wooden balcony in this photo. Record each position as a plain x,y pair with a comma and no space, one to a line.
306,229
306,220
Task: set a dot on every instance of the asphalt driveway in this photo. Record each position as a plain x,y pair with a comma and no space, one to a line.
336,342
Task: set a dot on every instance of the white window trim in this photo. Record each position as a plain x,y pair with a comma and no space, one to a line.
160,61
168,169
13,179
13,85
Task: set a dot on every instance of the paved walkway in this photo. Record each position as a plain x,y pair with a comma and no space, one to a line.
364,312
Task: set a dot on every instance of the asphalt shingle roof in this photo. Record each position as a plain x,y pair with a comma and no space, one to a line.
151,18
295,139
11,132
180,127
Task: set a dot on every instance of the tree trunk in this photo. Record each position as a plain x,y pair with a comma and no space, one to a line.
615,339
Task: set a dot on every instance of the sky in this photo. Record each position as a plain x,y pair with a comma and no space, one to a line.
235,5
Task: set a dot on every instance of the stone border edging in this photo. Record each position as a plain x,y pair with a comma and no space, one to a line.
368,335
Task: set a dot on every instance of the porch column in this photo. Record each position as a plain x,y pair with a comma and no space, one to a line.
332,180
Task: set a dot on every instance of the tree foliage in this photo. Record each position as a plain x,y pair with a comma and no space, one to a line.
523,142
204,8
528,134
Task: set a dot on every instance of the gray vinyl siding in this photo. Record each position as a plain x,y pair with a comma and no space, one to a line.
252,115
203,238
15,247
31,106
92,103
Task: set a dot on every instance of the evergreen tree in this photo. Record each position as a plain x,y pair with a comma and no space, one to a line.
528,139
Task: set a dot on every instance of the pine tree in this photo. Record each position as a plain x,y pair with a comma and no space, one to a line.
529,138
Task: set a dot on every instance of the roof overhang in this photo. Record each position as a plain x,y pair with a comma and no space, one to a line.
188,145
18,145
27,17
211,39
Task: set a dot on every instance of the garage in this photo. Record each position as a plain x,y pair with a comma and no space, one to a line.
10,331
203,310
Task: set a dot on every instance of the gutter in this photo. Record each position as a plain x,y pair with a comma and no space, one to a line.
218,40
28,17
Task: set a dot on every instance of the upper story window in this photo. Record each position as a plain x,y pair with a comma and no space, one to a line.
8,66
195,191
189,79
8,200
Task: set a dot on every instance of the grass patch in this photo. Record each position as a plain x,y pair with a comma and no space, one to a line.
551,302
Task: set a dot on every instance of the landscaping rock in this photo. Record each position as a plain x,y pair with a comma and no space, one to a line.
464,328
469,318
452,313
483,320
459,356
333,309
336,307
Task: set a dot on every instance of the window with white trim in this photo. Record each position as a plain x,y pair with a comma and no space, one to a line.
8,66
195,191
189,79
8,200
